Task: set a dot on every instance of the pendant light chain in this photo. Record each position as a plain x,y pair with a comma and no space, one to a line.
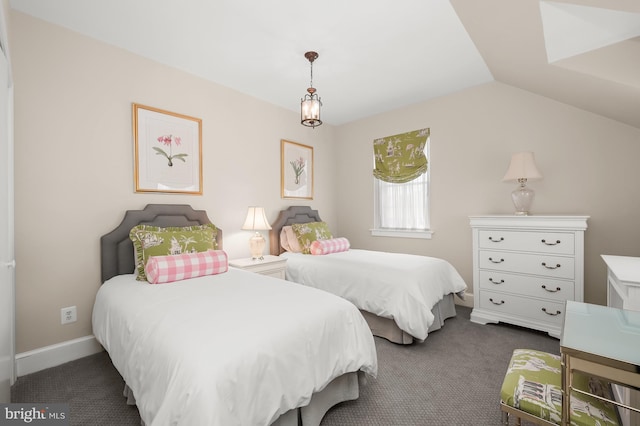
310,103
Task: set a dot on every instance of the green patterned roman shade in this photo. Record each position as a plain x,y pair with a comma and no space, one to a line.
400,158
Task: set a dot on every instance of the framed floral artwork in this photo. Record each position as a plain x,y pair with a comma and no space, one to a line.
168,151
296,170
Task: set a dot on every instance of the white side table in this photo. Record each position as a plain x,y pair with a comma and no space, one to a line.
623,281
623,292
273,266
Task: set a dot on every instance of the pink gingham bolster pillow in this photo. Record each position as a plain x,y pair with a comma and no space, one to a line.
165,269
333,245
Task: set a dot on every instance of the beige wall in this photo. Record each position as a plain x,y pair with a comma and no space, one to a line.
589,164
6,8
74,164
74,167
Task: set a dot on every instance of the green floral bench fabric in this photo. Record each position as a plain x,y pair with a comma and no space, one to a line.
533,384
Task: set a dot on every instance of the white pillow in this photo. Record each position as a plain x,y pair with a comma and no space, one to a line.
292,240
284,243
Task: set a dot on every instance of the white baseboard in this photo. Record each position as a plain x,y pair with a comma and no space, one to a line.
468,300
60,353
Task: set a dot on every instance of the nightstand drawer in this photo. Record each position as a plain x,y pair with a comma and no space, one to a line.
540,242
509,304
526,285
276,273
545,265
272,266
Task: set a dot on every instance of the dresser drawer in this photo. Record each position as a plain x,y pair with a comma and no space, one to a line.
526,285
536,309
539,241
524,263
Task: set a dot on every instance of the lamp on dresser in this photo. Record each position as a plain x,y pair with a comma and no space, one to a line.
256,221
522,168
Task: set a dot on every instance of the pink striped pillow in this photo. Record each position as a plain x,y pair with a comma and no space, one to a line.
333,245
165,269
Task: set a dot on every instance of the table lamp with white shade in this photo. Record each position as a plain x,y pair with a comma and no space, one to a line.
256,221
522,168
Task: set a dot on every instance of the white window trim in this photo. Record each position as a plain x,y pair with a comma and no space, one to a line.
402,233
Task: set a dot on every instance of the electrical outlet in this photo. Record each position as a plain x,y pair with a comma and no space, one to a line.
68,315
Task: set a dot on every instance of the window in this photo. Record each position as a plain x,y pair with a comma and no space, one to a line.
402,209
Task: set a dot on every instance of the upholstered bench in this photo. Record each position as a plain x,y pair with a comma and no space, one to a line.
532,391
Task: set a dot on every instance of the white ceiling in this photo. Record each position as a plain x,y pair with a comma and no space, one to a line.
379,55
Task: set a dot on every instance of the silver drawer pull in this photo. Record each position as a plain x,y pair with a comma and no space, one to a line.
499,261
551,313
496,241
551,243
498,303
551,291
496,281
551,267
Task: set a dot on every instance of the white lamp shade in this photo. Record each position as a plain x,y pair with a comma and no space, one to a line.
256,220
522,166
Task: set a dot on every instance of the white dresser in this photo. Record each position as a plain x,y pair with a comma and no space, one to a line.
525,268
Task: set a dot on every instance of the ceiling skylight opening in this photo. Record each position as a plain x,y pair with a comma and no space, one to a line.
571,29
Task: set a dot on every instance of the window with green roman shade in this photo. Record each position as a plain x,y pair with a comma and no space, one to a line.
401,158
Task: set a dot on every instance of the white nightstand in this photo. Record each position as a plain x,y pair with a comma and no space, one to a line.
623,292
623,282
272,266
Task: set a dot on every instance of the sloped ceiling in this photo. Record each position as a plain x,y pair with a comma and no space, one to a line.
585,53
378,55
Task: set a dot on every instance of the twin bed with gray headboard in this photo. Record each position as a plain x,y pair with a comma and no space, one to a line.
403,297
116,248
233,347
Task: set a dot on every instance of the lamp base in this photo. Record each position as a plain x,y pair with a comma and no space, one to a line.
522,198
256,246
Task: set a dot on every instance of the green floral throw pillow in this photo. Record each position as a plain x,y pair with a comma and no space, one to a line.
155,241
307,233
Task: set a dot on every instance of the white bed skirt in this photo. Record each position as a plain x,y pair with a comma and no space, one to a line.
388,329
343,388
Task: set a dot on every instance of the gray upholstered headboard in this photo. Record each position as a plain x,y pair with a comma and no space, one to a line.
293,214
116,249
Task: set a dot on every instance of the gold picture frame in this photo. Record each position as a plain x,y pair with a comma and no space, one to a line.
167,151
296,170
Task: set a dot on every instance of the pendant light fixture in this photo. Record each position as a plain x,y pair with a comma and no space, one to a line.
310,103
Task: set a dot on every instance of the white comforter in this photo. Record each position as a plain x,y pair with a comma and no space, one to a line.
402,287
231,349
